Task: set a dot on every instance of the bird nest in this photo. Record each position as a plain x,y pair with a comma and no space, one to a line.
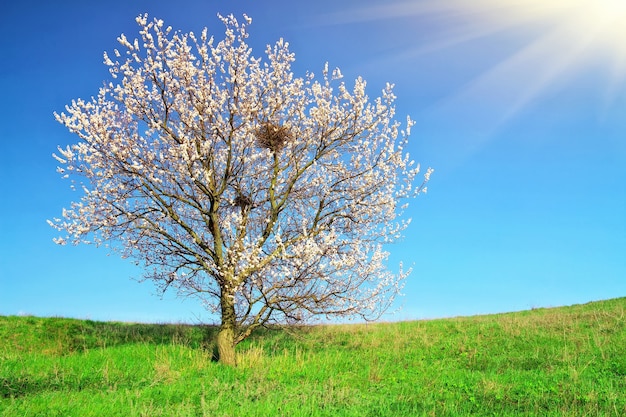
272,136
243,201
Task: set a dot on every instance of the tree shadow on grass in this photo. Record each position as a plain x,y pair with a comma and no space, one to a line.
61,336
85,335
23,386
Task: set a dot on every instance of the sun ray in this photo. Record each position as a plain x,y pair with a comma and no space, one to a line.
564,39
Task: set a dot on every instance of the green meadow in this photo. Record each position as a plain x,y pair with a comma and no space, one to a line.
568,361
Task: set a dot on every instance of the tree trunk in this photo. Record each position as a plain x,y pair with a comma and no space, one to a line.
226,334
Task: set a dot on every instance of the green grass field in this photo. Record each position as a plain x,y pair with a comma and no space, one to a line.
547,362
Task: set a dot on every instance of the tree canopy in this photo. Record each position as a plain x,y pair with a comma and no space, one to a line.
267,195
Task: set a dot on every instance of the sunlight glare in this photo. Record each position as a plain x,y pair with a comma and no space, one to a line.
575,35
554,45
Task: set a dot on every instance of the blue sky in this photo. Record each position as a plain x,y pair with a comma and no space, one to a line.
520,108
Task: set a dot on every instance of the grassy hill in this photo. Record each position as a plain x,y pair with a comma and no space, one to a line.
546,362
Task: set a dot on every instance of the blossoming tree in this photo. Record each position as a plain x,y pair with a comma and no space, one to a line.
266,195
